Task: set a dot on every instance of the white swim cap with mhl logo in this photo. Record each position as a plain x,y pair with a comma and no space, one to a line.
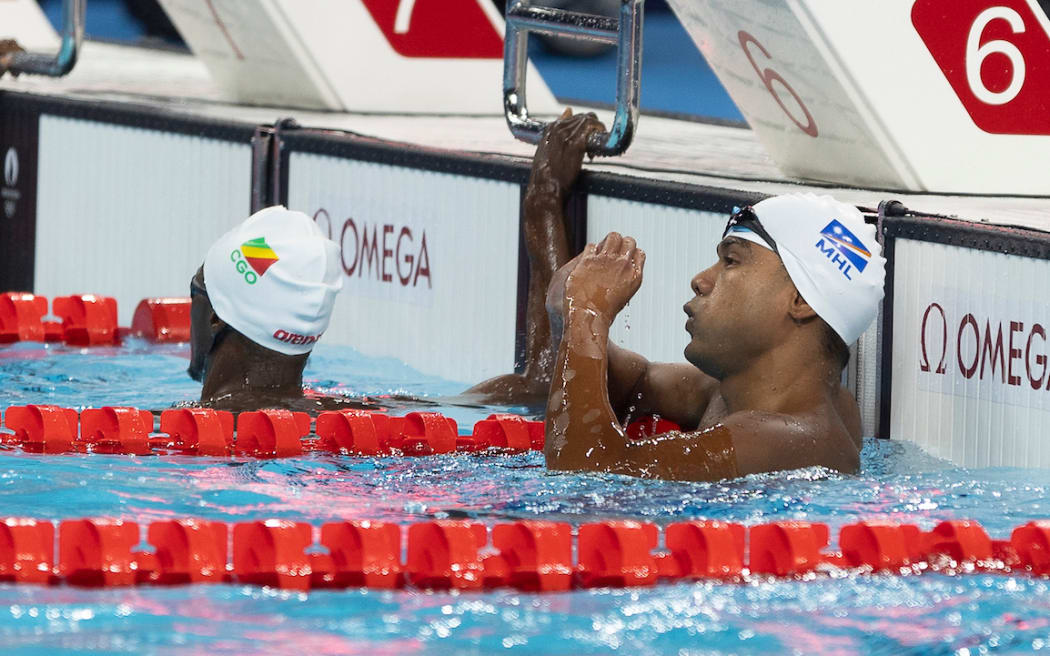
274,279
830,253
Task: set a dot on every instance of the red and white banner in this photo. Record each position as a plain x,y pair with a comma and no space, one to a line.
418,56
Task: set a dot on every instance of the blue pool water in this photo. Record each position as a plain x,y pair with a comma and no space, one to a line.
928,614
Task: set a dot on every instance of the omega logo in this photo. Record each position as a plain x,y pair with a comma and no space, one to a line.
388,253
1001,350
924,365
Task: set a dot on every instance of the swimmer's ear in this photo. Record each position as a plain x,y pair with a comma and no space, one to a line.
800,311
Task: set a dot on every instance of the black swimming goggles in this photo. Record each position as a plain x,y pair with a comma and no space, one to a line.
745,218
201,361
197,288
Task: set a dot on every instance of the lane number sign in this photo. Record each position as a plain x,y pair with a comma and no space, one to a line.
995,54
437,28
778,87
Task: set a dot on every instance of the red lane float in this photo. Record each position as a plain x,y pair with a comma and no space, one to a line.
785,548
90,319
1031,543
536,555
21,317
360,554
188,551
197,431
348,432
445,554
502,431
533,556
97,552
273,553
42,428
261,434
87,319
881,545
27,551
428,433
358,432
617,554
649,426
704,550
961,541
117,430
162,319
271,433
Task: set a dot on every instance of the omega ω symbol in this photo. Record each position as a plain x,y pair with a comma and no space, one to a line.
924,364
11,167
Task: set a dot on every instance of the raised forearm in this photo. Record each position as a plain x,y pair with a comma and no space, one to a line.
582,430
547,249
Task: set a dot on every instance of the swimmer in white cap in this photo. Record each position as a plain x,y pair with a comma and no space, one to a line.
798,279
261,300
272,281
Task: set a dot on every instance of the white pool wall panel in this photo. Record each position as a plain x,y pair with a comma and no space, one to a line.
980,409
460,324
130,212
678,244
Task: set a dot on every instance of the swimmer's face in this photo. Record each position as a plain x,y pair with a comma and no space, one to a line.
739,308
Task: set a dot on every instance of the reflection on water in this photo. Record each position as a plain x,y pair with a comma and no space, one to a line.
880,614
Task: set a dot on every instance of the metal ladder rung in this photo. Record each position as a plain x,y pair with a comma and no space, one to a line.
625,32
62,62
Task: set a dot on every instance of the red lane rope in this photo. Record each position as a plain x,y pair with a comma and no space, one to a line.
533,556
258,434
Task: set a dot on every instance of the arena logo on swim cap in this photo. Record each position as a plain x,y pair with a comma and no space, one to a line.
295,338
843,248
253,259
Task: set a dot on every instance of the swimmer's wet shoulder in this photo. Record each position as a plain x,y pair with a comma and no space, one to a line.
769,326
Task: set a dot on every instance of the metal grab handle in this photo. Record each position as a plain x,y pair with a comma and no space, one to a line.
625,32
62,62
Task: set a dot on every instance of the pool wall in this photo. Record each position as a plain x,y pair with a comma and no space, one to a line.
126,199
965,348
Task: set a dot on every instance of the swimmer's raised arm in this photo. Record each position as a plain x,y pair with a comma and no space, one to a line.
637,387
555,168
583,431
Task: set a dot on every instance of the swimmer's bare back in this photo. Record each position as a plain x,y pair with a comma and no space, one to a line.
791,419
555,168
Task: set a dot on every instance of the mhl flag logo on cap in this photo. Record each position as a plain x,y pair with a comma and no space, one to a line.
843,248
259,255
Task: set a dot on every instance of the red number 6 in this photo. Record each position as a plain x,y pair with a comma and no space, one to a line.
769,76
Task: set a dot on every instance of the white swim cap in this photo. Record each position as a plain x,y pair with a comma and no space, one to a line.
274,279
829,252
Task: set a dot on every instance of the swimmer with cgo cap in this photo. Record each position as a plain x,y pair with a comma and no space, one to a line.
272,282
260,301
798,278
